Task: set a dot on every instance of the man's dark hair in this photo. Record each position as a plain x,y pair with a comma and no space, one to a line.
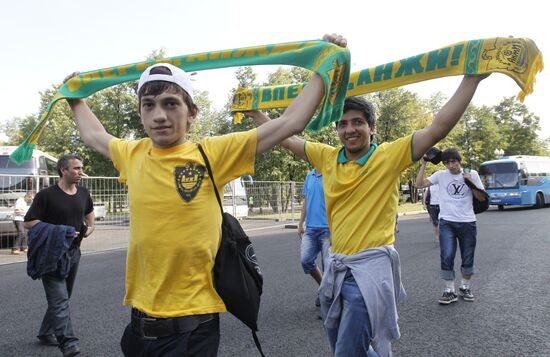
63,162
362,105
155,88
451,154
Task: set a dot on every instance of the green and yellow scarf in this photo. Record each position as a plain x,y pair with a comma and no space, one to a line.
327,59
518,58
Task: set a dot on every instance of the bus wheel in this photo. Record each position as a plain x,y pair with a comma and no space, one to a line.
540,200
501,207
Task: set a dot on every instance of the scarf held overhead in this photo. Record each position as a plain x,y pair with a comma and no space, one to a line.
518,58
329,60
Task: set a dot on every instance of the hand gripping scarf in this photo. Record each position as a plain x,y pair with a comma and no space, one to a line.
518,58
327,59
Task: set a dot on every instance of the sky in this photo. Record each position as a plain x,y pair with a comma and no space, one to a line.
43,41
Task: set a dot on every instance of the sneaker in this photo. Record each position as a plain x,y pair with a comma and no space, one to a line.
317,301
15,252
448,297
48,340
466,294
71,351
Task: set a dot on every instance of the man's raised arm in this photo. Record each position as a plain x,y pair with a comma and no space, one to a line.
299,112
421,181
447,117
91,130
294,143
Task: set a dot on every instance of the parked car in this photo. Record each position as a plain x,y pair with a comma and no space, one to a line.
7,228
99,211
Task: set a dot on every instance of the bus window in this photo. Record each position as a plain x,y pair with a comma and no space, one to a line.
499,175
51,167
523,176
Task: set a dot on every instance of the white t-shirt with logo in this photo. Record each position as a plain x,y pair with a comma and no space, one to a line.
455,198
434,195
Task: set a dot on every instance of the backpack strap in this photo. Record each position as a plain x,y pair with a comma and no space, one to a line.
207,163
205,158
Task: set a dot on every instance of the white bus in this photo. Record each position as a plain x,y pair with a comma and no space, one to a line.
31,175
234,199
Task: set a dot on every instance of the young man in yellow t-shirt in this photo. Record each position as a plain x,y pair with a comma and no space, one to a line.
362,284
175,224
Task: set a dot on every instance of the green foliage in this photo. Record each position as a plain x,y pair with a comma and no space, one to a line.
396,110
518,128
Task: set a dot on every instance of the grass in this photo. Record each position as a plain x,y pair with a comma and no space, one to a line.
409,207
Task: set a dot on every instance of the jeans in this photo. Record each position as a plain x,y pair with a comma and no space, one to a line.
314,240
202,342
449,233
57,319
353,335
21,240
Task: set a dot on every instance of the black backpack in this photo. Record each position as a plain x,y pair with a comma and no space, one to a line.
237,275
479,206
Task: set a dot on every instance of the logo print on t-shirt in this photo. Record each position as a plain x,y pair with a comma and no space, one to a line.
189,180
457,189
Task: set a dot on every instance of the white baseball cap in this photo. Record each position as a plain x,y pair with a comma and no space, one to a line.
178,77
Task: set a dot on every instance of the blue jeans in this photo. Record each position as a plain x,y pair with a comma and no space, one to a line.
353,335
314,241
57,319
449,233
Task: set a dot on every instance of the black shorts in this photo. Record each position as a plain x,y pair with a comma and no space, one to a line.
433,210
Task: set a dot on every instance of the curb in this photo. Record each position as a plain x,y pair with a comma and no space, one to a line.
412,213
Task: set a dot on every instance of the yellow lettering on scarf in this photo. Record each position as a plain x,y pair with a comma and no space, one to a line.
290,47
220,55
122,69
200,57
107,73
74,84
336,75
142,66
251,51
88,77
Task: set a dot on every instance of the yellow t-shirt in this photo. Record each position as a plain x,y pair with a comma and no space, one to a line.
175,219
361,200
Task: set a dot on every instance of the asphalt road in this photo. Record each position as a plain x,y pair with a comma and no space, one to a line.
510,317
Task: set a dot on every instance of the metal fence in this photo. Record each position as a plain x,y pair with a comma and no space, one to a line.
273,200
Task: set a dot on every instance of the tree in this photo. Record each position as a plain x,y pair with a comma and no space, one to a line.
471,133
518,128
400,113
